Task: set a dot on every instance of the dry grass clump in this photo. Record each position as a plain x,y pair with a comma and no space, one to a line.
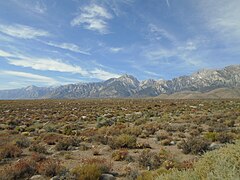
87,171
91,169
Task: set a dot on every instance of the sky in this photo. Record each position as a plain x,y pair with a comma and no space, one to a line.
56,42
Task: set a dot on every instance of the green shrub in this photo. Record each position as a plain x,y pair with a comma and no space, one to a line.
212,136
219,164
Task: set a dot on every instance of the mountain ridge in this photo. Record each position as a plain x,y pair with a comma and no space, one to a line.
126,85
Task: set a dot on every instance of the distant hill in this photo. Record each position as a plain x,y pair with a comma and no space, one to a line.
220,93
223,83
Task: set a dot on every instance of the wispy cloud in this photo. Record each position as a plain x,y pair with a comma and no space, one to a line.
5,54
115,49
167,1
152,73
40,7
93,17
184,51
30,77
47,64
22,31
58,65
158,33
34,7
68,46
101,74
222,17
159,53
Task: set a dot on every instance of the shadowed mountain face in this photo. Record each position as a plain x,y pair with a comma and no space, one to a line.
128,86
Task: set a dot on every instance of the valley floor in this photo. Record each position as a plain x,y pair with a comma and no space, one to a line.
115,138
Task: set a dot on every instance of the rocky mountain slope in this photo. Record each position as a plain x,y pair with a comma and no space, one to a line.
128,86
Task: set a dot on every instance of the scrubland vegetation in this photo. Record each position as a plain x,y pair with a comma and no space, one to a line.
130,139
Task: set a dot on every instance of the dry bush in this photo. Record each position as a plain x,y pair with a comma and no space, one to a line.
229,123
52,138
10,151
152,127
194,145
120,155
38,148
194,132
50,167
148,159
22,142
123,141
65,144
135,130
166,142
19,170
225,137
162,136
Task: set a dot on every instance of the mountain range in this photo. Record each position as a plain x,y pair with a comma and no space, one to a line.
197,85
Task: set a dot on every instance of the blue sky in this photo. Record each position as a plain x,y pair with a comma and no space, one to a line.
53,42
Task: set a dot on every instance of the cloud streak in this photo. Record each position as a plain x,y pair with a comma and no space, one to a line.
47,64
5,54
30,77
93,17
22,31
68,46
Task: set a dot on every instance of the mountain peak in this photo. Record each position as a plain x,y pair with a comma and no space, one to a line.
30,88
128,79
127,76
